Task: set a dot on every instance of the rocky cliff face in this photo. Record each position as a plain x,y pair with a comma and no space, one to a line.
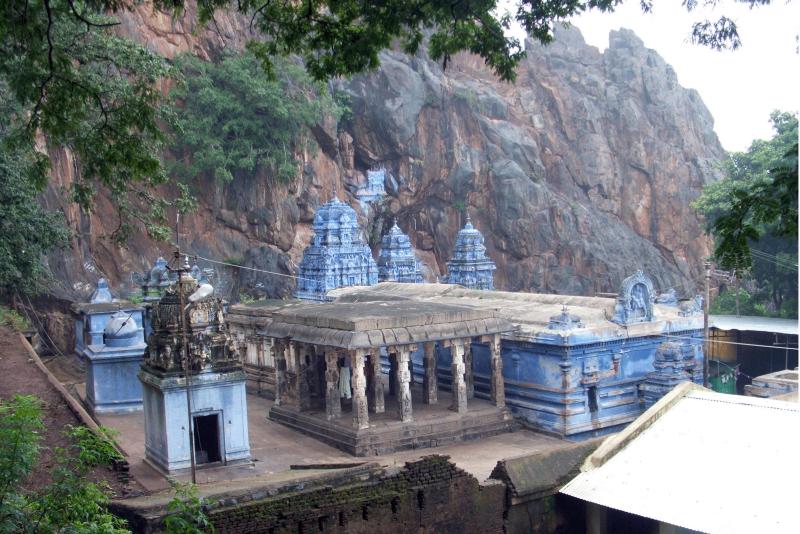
578,174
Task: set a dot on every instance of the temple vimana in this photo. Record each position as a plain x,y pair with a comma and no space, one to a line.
368,360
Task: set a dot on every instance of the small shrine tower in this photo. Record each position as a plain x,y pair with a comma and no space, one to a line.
396,261
109,336
469,266
216,383
338,255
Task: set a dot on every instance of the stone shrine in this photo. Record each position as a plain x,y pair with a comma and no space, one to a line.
675,362
575,374
635,300
216,383
396,261
469,266
374,189
338,255
109,336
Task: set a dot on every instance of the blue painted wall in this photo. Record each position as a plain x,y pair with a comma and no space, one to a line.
549,386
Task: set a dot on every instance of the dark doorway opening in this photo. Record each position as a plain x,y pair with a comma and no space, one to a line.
207,446
592,392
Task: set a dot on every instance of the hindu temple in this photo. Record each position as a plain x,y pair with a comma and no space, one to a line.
193,383
571,367
397,261
109,336
338,255
469,266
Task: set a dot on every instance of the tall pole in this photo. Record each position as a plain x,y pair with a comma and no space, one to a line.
187,368
705,323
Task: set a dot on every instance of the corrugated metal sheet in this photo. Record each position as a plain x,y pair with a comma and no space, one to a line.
711,463
753,324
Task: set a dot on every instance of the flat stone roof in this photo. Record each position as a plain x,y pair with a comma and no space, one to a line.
101,307
529,312
379,323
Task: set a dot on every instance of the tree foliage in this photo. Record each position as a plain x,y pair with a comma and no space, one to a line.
71,502
233,120
93,92
27,231
186,511
752,214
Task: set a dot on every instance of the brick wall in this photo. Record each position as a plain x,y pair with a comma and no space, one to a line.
430,495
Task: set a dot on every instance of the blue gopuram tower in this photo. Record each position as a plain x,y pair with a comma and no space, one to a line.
396,261
338,255
469,266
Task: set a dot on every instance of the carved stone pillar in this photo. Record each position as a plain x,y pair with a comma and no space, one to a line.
360,411
429,384
333,402
498,385
301,368
375,391
469,379
392,374
281,348
403,387
458,386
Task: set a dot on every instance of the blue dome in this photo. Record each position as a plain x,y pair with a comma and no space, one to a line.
102,293
158,269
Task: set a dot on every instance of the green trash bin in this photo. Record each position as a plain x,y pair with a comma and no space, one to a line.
722,377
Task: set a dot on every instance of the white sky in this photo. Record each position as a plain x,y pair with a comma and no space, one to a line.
741,87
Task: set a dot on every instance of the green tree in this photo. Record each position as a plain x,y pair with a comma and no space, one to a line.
93,92
234,120
752,214
27,231
186,511
71,502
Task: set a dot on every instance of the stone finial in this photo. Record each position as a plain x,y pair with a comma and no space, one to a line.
102,293
564,321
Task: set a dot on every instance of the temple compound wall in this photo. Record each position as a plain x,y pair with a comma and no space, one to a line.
427,495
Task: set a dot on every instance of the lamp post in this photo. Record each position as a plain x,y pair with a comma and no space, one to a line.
705,323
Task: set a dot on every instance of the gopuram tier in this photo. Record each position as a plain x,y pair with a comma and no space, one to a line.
338,255
469,266
396,261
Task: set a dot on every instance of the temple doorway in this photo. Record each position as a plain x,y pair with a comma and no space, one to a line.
207,444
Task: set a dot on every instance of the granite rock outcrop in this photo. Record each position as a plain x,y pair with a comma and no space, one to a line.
577,175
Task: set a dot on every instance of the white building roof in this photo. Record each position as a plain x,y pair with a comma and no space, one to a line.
704,461
753,324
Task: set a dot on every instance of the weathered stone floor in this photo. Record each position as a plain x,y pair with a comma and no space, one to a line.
275,448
